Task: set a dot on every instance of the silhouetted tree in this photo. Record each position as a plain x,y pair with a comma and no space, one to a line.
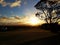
49,10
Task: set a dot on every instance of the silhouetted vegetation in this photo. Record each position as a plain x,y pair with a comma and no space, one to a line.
54,27
14,28
49,10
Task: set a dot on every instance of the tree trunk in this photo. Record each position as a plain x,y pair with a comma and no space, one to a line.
50,10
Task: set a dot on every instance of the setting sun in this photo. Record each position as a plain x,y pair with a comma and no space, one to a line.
34,21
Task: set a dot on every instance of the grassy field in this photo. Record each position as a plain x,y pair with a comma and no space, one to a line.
25,37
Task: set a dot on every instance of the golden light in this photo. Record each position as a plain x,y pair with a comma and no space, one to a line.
34,21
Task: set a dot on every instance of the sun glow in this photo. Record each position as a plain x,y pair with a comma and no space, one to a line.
34,21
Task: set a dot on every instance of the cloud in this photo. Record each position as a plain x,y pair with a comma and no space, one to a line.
16,20
15,17
13,4
3,3
9,20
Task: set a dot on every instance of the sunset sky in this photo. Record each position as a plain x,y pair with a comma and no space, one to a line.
17,12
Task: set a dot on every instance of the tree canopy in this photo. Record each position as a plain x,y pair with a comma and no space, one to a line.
50,10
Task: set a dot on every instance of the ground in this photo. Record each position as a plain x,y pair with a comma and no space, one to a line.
32,36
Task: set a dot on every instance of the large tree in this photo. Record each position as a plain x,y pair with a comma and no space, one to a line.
49,10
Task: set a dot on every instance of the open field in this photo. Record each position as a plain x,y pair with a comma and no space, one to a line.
31,36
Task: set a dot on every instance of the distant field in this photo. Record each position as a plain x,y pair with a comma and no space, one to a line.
21,36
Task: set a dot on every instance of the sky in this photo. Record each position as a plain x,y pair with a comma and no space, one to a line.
17,12
17,7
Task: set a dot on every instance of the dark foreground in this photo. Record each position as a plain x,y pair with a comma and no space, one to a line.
28,36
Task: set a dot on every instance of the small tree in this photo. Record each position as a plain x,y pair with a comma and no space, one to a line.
49,10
